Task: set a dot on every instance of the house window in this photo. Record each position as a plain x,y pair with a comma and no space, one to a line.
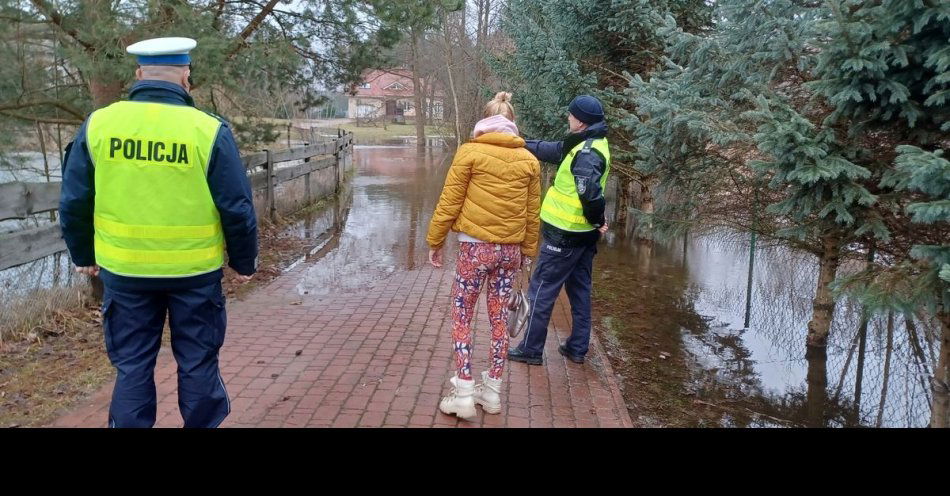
366,110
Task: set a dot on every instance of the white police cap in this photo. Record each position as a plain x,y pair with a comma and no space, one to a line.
163,51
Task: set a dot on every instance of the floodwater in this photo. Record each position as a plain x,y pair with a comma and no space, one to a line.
672,314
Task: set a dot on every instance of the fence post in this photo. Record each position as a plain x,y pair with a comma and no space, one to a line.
306,180
344,154
348,163
336,156
271,178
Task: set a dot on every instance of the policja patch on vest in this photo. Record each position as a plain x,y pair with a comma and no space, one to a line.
149,151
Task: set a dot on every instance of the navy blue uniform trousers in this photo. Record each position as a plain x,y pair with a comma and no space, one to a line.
134,321
558,267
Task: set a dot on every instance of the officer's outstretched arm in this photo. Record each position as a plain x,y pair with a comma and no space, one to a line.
77,201
231,191
551,152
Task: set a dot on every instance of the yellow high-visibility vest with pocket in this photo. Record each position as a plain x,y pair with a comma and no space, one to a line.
562,206
154,214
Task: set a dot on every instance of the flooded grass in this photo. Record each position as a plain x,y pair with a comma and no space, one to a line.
673,321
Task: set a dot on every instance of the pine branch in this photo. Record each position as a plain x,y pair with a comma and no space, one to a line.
253,26
307,54
23,21
57,20
605,69
44,120
51,103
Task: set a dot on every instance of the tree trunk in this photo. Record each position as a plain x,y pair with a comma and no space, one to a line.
252,27
647,206
104,91
685,246
823,307
430,103
417,90
818,329
817,379
940,415
455,103
481,39
623,203
448,54
644,257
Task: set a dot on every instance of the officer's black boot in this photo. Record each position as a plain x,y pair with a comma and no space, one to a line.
516,355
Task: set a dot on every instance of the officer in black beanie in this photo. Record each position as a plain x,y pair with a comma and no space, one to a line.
573,220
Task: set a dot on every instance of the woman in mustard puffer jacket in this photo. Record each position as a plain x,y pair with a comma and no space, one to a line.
492,198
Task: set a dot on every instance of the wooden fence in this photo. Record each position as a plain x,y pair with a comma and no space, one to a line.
19,200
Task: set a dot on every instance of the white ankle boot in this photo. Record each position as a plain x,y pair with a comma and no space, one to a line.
460,401
488,394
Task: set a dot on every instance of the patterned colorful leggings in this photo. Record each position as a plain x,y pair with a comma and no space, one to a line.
476,263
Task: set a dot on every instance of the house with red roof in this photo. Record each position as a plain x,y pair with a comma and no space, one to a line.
389,93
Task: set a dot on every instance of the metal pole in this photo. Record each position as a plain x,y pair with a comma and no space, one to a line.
862,348
748,291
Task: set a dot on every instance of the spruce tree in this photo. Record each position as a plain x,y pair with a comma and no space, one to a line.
564,48
884,69
926,278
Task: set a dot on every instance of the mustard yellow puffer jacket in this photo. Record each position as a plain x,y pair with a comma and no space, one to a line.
493,193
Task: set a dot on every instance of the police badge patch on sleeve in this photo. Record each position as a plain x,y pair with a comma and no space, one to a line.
581,185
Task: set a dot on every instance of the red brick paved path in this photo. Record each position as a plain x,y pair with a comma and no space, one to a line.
378,358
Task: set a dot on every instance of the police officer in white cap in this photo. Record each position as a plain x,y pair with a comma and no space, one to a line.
154,192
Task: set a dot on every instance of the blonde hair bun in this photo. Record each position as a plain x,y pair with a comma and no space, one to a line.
500,105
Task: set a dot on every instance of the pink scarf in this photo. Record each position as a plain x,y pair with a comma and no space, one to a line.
495,124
